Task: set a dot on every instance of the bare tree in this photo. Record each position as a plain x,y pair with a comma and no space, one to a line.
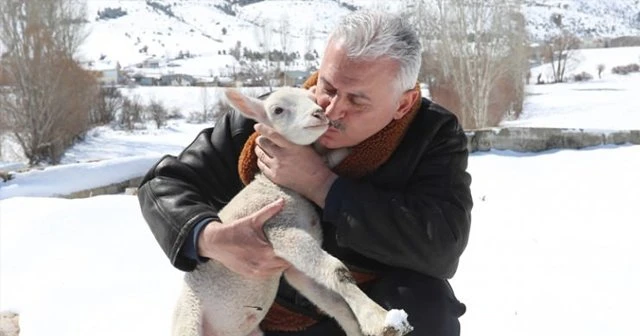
206,104
560,48
236,51
131,113
309,41
263,35
285,32
109,102
475,48
158,113
601,68
48,103
256,74
518,72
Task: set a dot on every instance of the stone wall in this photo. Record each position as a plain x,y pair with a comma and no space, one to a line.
520,139
110,189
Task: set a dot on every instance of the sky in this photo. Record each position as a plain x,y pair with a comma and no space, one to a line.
552,248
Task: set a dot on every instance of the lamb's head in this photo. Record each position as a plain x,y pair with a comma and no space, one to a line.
292,112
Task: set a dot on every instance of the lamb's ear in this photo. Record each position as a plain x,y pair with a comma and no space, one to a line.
250,107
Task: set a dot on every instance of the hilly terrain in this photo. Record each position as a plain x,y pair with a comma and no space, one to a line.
198,34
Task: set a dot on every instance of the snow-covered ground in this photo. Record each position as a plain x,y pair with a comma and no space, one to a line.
553,251
610,102
552,248
83,267
554,244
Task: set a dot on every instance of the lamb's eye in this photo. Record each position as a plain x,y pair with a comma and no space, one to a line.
278,110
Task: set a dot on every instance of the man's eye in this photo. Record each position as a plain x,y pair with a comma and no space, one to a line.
357,103
278,110
329,92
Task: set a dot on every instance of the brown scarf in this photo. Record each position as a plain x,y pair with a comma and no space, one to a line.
363,159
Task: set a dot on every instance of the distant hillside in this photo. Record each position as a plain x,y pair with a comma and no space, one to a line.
130,32
586,18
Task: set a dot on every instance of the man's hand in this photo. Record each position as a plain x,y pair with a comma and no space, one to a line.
293,166
242,246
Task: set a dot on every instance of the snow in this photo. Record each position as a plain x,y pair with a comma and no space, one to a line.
204,30
552,248
554,234
607,103
396,318
586,18
554,244
84,267
552,251
185,99
66,179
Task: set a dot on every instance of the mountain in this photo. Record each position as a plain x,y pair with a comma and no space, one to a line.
198,34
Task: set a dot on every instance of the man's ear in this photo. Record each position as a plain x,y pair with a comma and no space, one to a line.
407,100
250,107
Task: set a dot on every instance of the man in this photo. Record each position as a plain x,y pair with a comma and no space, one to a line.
396,210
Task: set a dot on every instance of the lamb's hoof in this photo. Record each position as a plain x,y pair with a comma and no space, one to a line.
396,323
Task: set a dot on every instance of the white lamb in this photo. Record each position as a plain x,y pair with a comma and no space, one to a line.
218,302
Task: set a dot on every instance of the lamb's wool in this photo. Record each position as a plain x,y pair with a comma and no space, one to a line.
364,158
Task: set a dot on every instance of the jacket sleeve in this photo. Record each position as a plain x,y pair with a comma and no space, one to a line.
423,227
179,192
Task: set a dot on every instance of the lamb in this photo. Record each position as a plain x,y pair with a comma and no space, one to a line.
218,302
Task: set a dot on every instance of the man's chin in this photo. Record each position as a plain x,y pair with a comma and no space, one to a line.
328,142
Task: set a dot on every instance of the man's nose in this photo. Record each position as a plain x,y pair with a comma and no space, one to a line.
333,110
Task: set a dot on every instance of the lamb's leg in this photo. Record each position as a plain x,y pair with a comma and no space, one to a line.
187,319
327,300
307,256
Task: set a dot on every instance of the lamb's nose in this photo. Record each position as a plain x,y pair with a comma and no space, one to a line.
319,114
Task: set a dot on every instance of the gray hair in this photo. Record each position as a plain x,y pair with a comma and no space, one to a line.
374,34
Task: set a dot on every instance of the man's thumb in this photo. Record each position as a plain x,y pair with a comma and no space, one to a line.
269,211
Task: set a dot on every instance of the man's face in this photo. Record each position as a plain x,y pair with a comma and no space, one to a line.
360,96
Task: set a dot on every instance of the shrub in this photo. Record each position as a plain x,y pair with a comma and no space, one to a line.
108,104
219,109
626,69
582,77
130,113
111,13
174,113
158,113
5,176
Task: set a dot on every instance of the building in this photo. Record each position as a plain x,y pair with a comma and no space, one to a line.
294,77
106,72
151,63
177,80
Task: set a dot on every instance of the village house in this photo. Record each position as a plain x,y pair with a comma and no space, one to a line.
147,79
177,80
106,72
294,77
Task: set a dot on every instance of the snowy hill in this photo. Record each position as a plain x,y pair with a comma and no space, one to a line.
165,29
587,18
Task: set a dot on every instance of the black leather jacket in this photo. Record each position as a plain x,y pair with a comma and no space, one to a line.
413,212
